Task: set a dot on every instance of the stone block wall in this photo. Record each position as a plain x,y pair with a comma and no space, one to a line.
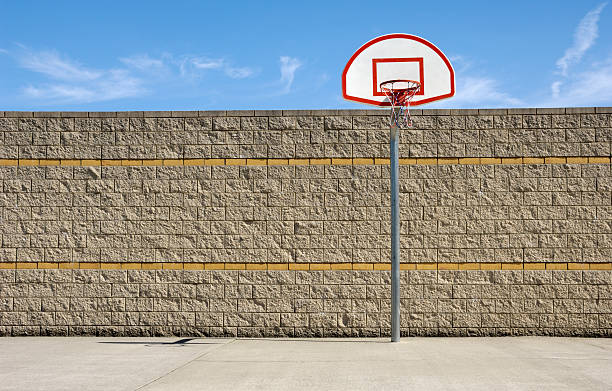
269,223
336,303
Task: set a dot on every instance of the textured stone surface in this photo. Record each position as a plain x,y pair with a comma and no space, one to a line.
304,303
326,213
306,134
456,212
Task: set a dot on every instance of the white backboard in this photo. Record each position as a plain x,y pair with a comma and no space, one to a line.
397,56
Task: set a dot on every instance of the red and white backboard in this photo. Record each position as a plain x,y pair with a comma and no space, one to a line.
397,56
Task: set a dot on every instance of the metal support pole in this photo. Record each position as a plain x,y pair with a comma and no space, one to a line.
395,235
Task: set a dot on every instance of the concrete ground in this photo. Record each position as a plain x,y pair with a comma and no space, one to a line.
520,363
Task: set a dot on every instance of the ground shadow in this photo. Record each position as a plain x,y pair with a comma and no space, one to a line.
188,341
180,342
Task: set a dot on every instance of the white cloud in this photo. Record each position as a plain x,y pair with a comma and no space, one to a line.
74,83
204,63
116,86
584,37
62,80
590,84
238,73
190,66
119,83
142,62
481,91
59,91
474,90
287,68
555,88
51,64
591,87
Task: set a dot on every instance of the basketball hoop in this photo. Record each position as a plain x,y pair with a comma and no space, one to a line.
400,59
400,92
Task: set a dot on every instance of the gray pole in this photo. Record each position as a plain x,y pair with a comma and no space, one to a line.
395,235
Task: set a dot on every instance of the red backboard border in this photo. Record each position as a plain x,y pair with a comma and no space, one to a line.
391,36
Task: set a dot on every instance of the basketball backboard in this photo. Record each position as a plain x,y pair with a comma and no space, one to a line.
397,56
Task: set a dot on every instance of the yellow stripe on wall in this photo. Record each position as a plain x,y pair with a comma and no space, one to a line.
302,162
307,266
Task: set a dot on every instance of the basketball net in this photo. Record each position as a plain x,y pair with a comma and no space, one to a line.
400,93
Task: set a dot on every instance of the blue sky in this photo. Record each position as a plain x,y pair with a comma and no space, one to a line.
215,55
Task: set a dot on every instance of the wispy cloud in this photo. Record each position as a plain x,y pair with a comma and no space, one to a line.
205,63
288,66
52,64
555,88
570,87
481,91
598,82
475,90
189,66
590,87
584,37
142,62
65,80
238,73
72,82
116,86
